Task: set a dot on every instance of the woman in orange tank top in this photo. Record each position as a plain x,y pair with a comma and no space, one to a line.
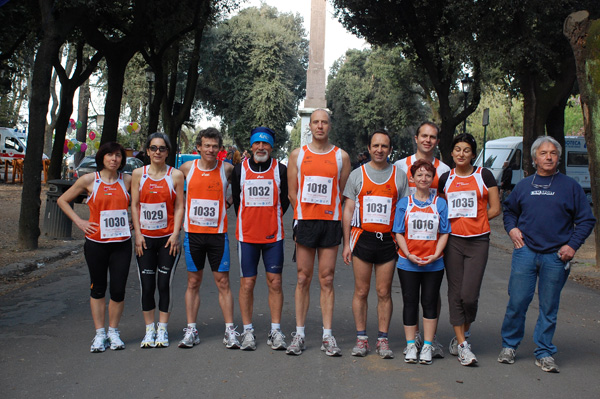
468,191
157,213
107,247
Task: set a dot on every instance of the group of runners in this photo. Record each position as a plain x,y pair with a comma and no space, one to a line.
418,217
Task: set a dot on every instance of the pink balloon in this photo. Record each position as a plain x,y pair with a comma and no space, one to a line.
65,149
83,147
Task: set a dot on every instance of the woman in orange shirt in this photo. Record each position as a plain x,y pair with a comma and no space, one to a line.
468,191
157,213
107,246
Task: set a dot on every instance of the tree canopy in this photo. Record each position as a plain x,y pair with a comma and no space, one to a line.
254,71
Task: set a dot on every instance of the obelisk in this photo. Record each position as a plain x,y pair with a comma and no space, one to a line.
315,76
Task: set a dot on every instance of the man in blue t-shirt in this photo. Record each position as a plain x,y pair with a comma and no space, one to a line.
548,218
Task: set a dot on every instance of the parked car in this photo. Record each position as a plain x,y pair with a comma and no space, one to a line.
88,165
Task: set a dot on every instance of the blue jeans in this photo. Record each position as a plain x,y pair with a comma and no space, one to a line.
527,266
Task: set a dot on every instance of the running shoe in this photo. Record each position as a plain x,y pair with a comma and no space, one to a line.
162,338
383,349
362,346
438,350
296,346
190,338
230,339
453,347
99,343
465,356
507,356
426,354
149,340
276,340
418,342
248,341
115,340
329,346
547,364
411,353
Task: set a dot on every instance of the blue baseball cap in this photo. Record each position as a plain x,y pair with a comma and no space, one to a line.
263,134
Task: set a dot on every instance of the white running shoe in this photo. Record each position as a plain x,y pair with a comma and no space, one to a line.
296,346
149,340
438,350
248,341
230,339
453,347
115,340
162,338
426,354
465,356
99,343
190,338
329,346
276,340
411,353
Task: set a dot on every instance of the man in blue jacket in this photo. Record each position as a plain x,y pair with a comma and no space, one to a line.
548,218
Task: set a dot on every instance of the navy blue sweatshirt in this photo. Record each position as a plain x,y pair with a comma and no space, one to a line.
549,217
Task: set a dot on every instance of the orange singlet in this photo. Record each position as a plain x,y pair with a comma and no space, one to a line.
376,204
205,210
157,203
108,207
421,226
467,198
260,219
319,196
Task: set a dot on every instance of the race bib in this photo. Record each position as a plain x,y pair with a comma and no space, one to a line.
204,212
258,192
114,224
422,226
376,209
153,216
462,204
317,190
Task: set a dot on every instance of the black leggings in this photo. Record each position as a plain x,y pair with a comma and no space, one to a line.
104,258
428,284
156,257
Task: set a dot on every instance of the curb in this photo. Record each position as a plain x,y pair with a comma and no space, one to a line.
53,255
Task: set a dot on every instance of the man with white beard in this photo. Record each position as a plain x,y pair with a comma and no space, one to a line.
260,196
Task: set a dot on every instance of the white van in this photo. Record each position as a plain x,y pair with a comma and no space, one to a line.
12,146
510,150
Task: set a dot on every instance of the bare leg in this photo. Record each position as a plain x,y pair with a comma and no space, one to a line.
305,260
149,316
98,307
362,284
192,296
225,296
384,274
275,296
246,298
115,310
327,258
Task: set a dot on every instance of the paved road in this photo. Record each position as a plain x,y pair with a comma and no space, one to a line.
46,331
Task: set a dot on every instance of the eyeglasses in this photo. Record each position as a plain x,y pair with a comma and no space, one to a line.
154,148
542,186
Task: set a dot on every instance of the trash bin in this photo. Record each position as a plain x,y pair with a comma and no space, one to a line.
56,223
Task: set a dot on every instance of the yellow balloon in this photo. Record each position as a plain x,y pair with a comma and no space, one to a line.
70,144
97,144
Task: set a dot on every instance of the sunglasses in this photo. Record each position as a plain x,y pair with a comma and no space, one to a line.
154,148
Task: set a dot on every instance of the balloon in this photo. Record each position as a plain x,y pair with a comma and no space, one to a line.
70,145
83,147
92,135
72,151
136,127
65,149
66,141
79,124
77,147
74,141
129,129
96,144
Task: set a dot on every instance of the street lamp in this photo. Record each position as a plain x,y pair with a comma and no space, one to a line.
150,78
466,83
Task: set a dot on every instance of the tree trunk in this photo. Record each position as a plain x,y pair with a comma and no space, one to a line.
53,33
584,36
112,108
82,115
67,92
